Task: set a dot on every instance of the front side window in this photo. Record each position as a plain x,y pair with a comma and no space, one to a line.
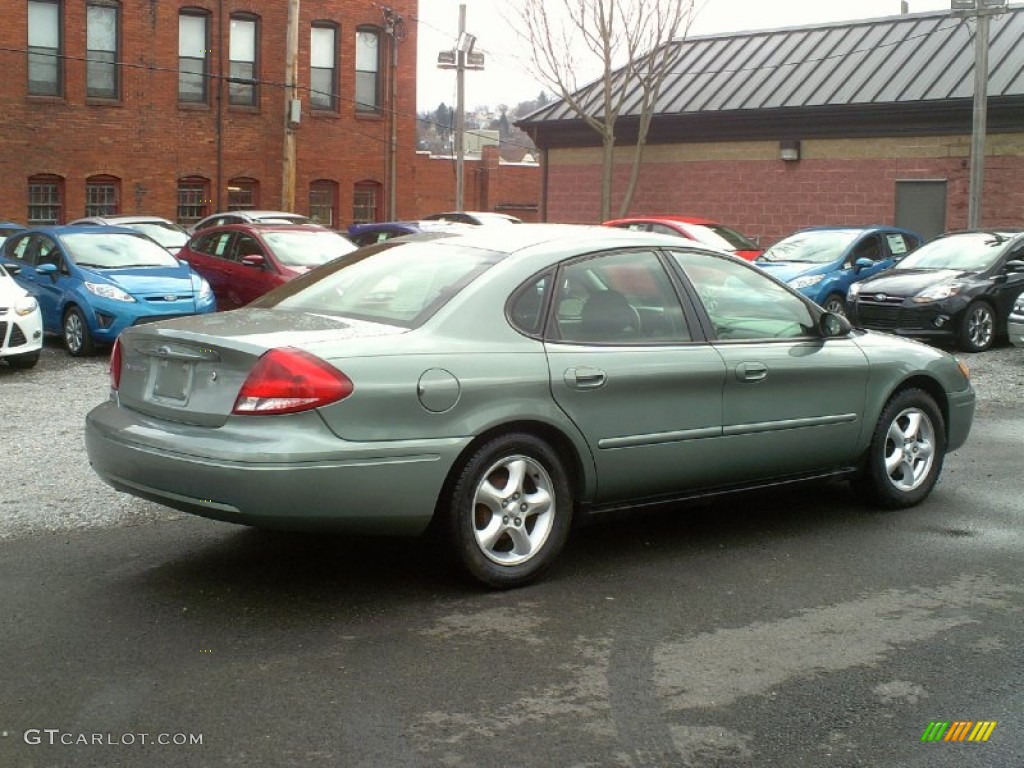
624,297
742,302
45,200
367,70
101,196
193,198
193,57
102,53
44,48
365,202
243,61
242,194
323,203
323,79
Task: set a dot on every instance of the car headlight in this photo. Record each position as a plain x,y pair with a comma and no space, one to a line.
937,292
853,291
26,305
108,291
806,282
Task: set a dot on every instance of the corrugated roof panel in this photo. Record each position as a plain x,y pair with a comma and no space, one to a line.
916,57
1005,62
943,74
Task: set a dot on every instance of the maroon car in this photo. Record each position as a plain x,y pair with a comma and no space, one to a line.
244,261
703,231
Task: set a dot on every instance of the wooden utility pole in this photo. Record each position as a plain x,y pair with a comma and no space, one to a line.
292,107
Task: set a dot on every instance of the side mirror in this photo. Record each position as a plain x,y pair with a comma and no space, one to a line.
47,269
862,263
832,325
12,268
1013,266
253,260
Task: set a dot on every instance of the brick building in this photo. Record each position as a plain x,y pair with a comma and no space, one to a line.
179,108
856,123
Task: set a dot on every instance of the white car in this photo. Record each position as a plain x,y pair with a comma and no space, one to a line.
21,324
1015,323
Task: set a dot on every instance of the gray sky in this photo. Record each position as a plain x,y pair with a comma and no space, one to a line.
504,79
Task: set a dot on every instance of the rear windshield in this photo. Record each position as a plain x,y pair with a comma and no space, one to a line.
396,283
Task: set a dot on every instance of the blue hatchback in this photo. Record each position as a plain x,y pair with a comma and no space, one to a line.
93,282
823,262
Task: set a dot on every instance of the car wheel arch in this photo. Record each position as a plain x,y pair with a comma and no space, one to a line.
580,478
929,386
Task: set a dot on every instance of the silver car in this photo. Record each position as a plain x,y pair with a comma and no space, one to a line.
496,385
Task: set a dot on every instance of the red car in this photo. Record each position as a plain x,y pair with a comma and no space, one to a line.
693,228
244,261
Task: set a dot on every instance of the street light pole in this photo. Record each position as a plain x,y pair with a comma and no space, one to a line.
981,11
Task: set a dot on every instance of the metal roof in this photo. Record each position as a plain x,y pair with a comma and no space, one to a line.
914,58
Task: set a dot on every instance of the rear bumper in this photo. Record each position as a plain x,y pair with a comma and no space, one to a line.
292,474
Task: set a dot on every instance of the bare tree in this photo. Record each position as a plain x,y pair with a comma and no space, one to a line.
627,44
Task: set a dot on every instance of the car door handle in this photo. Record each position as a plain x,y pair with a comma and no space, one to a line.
585,378
751,371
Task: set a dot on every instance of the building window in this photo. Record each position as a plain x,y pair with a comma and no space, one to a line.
365,202
323,201
193,200
193,57
368,70
44,48
243,61
242,194
323,58
102,196
45,200
102,54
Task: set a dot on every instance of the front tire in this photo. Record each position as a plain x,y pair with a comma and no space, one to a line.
77,337
836,304
978,327
906,453
509,511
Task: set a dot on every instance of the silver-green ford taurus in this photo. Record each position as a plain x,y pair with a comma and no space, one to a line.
494,385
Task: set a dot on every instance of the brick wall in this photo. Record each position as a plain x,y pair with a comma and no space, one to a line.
745,185
149,141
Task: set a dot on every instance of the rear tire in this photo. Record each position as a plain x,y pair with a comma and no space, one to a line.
509,511
906,453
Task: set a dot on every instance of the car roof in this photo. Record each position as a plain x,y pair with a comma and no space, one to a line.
265,226
125,218
59,230
655,218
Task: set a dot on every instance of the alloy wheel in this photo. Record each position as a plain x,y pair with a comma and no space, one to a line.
909,449
513,510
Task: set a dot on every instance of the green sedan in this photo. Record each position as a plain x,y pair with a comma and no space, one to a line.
490,388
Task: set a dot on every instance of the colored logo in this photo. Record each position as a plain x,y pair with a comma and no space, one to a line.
958,730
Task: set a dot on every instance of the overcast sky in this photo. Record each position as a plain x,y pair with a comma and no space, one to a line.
504,79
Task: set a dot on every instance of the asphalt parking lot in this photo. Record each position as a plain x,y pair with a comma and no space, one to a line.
50,487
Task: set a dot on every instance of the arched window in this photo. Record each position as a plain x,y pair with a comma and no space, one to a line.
244,46
366,202
193,199
368,67
102,195
323,202
45,199
243,194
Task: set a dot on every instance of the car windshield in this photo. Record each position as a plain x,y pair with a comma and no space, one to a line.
116,250
968,252
812,247
168,235
308,248
397,283
722,237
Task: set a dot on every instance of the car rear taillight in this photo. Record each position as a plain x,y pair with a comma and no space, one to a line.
115,366
289,380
